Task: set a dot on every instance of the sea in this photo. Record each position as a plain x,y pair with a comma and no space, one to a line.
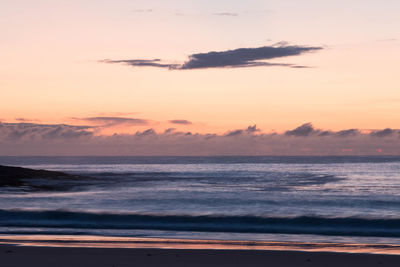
305,200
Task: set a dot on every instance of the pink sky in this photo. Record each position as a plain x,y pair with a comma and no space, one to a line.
206,67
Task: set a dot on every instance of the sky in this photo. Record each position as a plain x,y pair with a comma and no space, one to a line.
92,72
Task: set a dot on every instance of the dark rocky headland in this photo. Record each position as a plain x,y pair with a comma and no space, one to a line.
18,177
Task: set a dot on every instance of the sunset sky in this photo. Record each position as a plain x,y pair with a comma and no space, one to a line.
129,66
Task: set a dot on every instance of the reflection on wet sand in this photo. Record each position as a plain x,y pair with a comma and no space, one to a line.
162,243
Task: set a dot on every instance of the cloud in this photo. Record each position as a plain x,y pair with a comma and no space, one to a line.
112,121
349,132
26,120
252,129
62,139
249,130
229,14
237,58
142,63
146,132
115,114
169,130
389,40
148,10
235,132
183,122
324,133
33,131
384,133
244,57
306,129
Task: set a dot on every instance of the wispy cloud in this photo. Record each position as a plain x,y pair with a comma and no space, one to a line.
146,10
26,120
116,114
388,40
228,14
142,63
34,131
183,122
237,58
112,121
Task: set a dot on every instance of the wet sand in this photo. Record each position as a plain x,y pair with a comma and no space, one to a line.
117,257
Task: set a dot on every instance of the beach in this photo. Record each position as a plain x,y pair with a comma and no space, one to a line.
96,251
20,256
200,211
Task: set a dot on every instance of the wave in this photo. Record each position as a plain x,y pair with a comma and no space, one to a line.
344,226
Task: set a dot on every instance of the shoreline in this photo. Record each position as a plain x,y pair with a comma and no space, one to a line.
114,242
21,256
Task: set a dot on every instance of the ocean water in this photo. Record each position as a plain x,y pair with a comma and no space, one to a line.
304,199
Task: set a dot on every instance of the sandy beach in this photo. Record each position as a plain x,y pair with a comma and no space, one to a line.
19,256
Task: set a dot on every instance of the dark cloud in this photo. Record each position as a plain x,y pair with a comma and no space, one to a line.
33,131
62,139
249,130
228,14
146,132
245,57
252,129
142,63
349,132
209,136
184,122
383,133
324,133
111,121
237,58
169,130
306,129
235,132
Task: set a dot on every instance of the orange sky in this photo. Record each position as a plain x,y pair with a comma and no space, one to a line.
50,70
